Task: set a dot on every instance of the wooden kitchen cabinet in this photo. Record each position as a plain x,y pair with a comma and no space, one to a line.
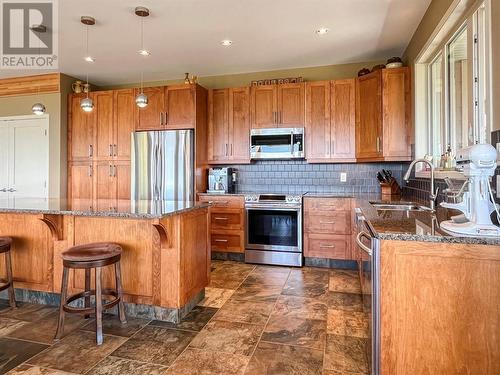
327,228
180,107
152,116
383,109
80,178
330,121
102,125
278,106
80,134
291,105
229,126
227,222
263,106
343,120
124,122
169,108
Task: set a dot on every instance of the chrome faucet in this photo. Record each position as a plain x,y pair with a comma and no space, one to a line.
434,193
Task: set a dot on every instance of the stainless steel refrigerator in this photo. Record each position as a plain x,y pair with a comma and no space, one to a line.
163,165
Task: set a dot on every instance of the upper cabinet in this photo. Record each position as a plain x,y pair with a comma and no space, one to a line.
330,121
278,106
383,109
80,134
105,132
169,107
291,105
229,126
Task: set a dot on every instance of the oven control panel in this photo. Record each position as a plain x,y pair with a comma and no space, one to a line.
252,198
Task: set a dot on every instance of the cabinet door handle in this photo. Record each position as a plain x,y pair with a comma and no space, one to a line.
378,144
91,151
231,149
11,190
327,246
333,148
114,170
225,152
110,150
280,117
218,202
221,218
110,170
4,190
116,149
327,222
90,170
166,118
220,240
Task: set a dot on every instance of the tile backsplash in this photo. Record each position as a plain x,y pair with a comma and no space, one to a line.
297,176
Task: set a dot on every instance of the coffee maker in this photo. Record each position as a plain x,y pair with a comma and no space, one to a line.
221,180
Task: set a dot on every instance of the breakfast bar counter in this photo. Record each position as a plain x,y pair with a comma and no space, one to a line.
165,262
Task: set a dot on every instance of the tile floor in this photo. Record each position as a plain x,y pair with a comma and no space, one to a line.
254,320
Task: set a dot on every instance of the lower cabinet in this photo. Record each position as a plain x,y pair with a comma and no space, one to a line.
227,223
101,183
327,228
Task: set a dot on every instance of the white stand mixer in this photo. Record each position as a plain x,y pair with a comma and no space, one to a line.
478,164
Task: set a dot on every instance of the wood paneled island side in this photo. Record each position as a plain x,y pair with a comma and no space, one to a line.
165,261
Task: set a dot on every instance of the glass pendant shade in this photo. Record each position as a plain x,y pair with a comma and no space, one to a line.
87,104
38,109
141,100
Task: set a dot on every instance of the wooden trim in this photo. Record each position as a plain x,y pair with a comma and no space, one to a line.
30,85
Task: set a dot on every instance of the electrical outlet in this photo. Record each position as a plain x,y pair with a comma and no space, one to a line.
343,177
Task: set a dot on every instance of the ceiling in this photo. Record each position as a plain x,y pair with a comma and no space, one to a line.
185,35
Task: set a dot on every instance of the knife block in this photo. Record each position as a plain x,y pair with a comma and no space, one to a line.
390,190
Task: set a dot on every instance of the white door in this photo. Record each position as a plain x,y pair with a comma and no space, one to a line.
28,157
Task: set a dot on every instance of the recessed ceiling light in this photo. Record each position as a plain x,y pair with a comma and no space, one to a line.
226,42
144,52
89,59
322,30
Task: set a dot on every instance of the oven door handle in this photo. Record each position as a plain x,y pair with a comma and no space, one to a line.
274,207
361,244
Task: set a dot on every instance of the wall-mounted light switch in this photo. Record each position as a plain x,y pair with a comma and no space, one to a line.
343,177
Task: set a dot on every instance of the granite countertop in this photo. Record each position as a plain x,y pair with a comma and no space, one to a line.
402,225
414,225
140,209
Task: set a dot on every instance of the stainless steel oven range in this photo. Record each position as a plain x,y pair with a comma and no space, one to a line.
273,232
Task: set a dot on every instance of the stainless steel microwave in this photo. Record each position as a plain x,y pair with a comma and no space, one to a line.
277,143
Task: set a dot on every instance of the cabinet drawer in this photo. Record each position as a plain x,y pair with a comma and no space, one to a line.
327,246
226,219
224,201
327,204
227,241
334,222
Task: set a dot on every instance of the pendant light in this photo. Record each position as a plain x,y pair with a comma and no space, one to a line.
142,100
87,104
38,108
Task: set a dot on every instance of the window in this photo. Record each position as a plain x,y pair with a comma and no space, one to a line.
436,112
454,72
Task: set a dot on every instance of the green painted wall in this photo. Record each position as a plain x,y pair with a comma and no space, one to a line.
235,80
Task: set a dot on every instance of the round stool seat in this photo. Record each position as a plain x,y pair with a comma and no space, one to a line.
92,252
5,243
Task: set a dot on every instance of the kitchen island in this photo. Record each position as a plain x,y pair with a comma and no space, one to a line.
165,262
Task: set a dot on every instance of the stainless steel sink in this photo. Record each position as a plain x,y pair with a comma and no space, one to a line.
399,206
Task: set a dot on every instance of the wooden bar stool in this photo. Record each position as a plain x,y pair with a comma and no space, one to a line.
5,243
94,255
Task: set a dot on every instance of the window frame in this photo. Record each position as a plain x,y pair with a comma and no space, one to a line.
457,19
